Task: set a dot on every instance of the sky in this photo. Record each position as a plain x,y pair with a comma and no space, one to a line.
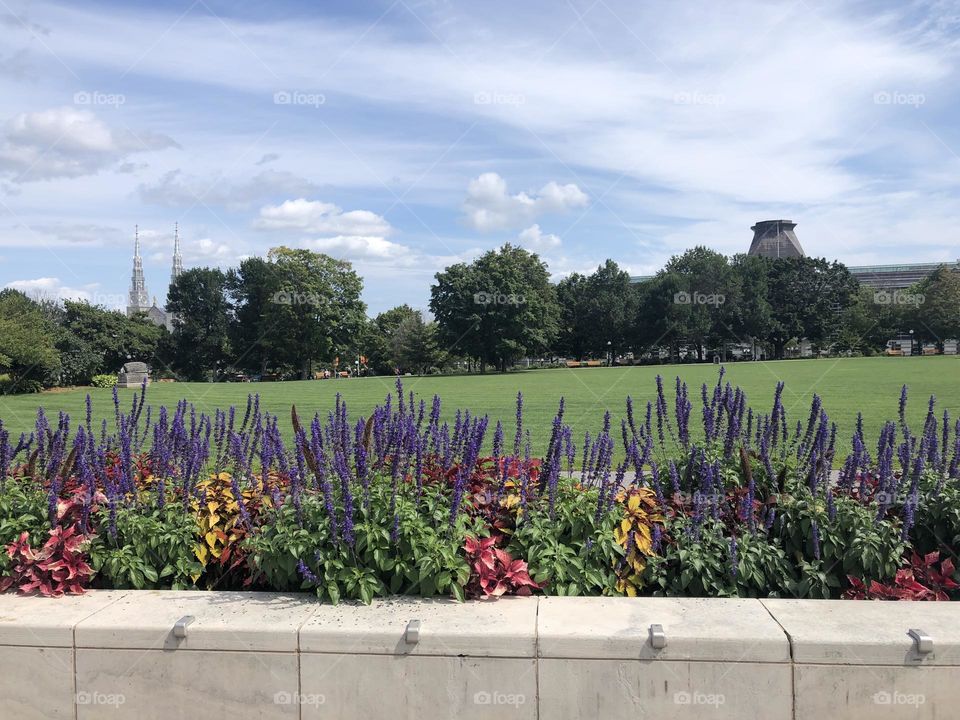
405,136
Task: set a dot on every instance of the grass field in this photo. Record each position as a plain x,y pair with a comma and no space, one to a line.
869,385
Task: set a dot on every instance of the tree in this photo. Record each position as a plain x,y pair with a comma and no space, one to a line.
316,313
748,305
573,338
686,303
201,325
932,306
252,288
498,308
808,298
93,340
380,341
415,345
868,322
596,311
27,351
660,321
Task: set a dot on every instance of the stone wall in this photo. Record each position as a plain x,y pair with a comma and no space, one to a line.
165,655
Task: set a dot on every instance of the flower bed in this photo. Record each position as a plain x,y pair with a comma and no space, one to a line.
402,503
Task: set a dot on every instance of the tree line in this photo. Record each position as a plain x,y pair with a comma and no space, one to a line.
296,312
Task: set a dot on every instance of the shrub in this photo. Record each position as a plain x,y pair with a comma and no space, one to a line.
103,381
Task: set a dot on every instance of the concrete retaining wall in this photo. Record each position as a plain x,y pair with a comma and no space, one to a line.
117,654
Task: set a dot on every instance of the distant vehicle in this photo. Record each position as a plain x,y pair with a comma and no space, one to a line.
899,347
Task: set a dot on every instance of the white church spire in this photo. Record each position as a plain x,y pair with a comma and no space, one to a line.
177,259
138,299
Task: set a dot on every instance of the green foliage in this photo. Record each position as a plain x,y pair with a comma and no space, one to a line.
200,335
415,345
424,559
103,381
497,309
850,544
23,508
940,509
27,351
573,553
595,310
154,548
94,341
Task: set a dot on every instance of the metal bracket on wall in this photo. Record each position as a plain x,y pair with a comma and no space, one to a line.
922,642
658,638
412,634
180,626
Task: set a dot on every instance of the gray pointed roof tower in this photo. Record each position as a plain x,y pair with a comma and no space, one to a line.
177,260
138,299
775,239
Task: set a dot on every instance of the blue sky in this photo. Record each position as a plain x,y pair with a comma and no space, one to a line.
405,136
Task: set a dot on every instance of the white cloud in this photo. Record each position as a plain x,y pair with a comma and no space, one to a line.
67,142
535,239
489,207
51,288
314,216
195,251
176,189
360,248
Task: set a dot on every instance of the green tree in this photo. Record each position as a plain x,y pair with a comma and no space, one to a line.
201,340
93,340
380,338
687,304
808,298
868,322
596,311
497,309
252,288
932,306
316,313
748,306
27,350
415,347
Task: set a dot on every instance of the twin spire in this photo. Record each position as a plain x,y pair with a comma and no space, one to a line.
139,299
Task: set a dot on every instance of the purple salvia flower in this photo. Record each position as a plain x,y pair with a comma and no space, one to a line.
519,435
498,443
307,574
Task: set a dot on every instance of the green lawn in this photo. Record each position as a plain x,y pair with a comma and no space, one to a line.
870,385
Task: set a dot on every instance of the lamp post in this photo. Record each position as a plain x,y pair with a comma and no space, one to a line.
609,354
